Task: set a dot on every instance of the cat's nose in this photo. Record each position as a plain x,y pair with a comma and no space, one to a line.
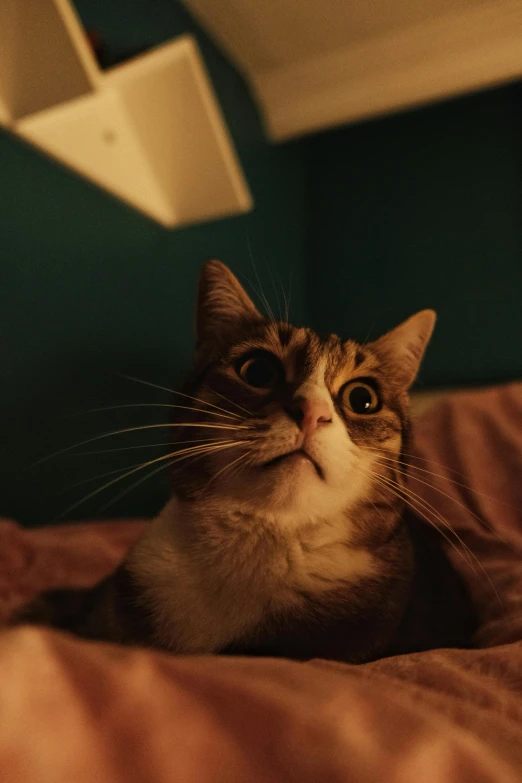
310,413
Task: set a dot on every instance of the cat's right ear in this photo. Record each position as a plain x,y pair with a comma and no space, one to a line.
223,305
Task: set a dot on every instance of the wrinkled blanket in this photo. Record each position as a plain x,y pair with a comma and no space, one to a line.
74,711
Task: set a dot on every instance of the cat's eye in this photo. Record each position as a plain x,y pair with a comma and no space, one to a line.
360,398
260,370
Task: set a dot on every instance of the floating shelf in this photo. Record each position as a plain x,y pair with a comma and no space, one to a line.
150,131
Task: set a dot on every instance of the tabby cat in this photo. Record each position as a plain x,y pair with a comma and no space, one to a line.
286,533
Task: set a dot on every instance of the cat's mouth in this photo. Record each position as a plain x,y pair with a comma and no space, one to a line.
295,454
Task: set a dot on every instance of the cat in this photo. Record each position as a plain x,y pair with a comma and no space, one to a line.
286,533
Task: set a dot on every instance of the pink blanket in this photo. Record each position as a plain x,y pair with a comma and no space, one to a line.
74,712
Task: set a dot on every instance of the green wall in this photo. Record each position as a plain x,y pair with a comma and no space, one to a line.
423,209
371,222
89,288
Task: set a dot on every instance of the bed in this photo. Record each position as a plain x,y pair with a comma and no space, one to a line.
75,711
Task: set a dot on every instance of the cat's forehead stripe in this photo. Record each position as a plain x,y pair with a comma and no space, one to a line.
341,363
359,357
286,333
282,342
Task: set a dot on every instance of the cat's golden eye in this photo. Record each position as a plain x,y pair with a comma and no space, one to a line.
360,398
261,370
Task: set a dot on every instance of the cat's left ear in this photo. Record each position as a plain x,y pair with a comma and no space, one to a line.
403,347
223,306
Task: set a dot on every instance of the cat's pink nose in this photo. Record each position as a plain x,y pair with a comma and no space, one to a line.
310,413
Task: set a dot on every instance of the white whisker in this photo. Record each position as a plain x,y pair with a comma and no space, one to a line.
227,467
142,446
149,475
275,291
145,383
152,405
128,473
178,393
204,447
231,402
411,468
138,429
269,310
289,294
135,484
284,297
423,508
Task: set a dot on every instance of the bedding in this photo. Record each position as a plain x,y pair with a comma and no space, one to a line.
74,711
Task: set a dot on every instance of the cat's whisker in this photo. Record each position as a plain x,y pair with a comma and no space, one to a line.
80,483
284,298
247,463
205,447
256,291
426,513
378,511
163,444
176,393
446,478
399,491
226,468
275,291
212,405
130,473
441,475
289,294
411,497
238,469
211,426
135,484
415,501
153,473
151,405
437,464
368,333
231,402
435,520
145,383
266,304
412,468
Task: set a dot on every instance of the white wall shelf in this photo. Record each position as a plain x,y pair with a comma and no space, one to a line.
150,131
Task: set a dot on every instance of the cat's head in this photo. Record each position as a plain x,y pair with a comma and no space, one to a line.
295,423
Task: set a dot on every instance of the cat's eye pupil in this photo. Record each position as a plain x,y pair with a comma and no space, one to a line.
260,373
361,399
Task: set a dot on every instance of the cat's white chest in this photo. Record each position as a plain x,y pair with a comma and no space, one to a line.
207,596
322,559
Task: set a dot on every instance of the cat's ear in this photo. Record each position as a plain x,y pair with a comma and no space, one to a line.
223,304
403,348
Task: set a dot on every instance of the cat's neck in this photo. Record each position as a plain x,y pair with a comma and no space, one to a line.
216,529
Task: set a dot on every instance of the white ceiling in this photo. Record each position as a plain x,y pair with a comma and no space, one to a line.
316,63
265,34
